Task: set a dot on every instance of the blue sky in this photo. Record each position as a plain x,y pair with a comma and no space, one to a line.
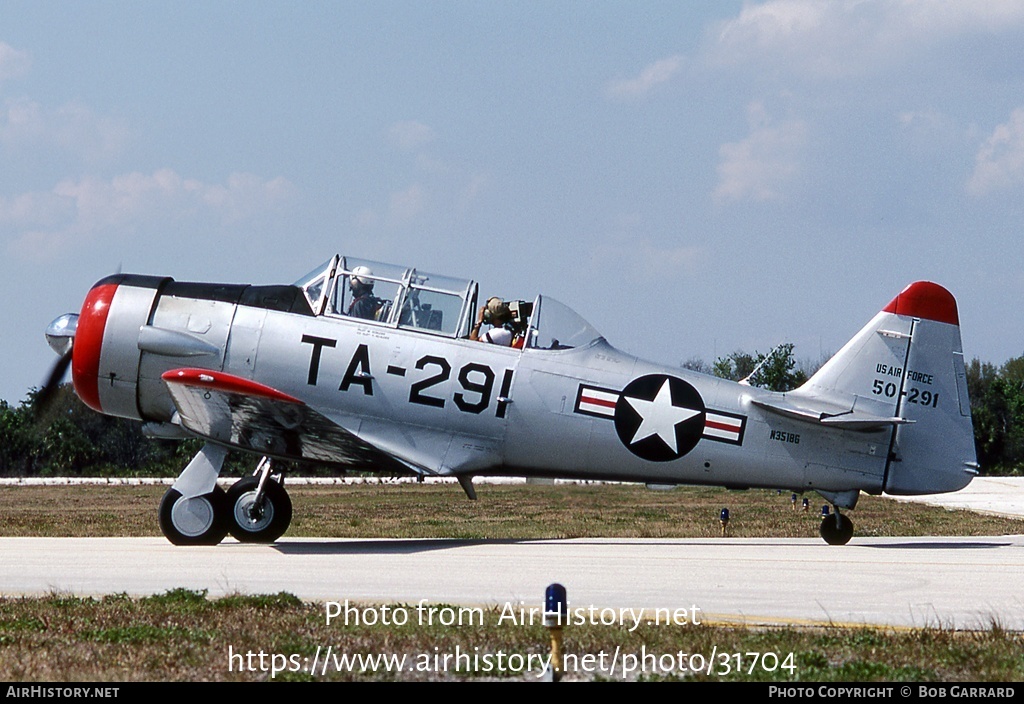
693,178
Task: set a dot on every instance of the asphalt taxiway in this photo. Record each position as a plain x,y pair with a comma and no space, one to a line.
948,582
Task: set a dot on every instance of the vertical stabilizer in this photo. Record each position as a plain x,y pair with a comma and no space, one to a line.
907,363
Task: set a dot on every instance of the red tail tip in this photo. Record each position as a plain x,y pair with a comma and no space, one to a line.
924,299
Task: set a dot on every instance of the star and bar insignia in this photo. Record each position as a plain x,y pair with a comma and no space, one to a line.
660,417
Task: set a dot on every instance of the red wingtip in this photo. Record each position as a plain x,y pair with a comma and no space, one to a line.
228,383
924,299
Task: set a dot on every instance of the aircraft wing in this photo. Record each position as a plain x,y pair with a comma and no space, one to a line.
844,420
247,415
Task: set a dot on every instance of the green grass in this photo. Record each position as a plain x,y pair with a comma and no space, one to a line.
502,511
184,636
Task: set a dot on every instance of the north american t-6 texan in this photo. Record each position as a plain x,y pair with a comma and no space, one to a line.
375,367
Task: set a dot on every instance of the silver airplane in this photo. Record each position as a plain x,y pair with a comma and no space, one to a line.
370,366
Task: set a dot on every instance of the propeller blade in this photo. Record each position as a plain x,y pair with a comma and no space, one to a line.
48,392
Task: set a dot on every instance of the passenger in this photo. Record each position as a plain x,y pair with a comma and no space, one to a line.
364,303
496,314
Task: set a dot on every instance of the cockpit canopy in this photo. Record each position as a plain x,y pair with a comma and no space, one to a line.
397,296
390,294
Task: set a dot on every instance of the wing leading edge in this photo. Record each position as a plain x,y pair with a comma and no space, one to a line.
247,415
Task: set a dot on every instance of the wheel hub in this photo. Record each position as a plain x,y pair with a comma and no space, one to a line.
252,515
192,517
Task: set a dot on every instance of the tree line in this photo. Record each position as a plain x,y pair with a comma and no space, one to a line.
68,439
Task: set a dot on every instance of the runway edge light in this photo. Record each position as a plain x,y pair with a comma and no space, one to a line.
556,607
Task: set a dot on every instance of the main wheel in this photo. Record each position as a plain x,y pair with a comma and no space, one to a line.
198,521
262,523
836,534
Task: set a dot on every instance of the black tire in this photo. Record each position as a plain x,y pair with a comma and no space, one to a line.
264,526
198,521
836,534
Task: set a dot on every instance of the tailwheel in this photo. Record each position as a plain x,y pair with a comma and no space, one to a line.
200,520
255,515
836,529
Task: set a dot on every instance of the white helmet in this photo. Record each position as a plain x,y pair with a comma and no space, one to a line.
361,275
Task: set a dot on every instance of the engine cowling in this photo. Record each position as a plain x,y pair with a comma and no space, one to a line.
105,358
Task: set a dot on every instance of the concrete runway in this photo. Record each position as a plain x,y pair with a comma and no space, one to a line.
999,496
963,583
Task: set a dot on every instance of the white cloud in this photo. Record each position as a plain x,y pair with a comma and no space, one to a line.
245,195
89,208
999,163
932,132
410,135
760,167
27,126
851,37
21,122
640,257
941,18
774,23
650,77
420,201
471,191
40,209
405,205
13,63
366,219
924,121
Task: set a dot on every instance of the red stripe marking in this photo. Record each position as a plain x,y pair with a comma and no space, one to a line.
219,381
85,355
923,299
721,426
607,403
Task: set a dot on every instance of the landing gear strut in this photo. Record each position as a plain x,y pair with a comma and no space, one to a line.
836,529
258,508
196,511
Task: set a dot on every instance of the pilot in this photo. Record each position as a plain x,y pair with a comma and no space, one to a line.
364,303
496,314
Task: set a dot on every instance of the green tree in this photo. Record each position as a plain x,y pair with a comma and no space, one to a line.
776,370
1013,378
15,439
696,364
63,449
988,412
997,411
735,366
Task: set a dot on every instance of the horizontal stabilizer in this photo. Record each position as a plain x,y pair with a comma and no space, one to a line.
863,422
844,420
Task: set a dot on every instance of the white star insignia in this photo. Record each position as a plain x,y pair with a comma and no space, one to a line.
660,417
